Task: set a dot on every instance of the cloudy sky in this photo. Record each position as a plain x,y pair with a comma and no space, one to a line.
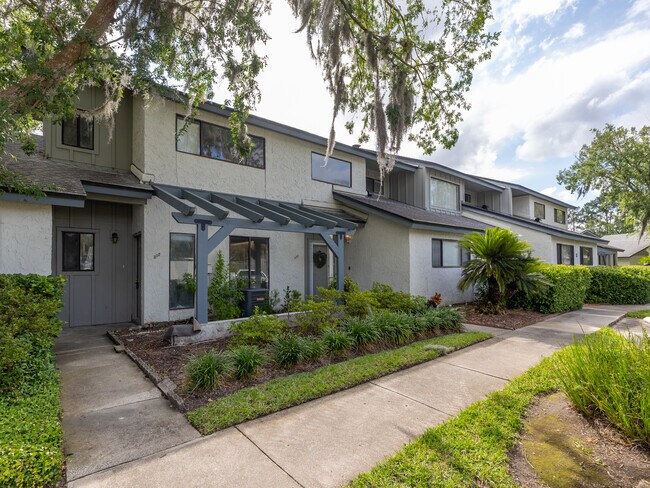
561,68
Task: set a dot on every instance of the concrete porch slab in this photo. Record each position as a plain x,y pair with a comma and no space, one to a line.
104,438
223,460
325,443
443,386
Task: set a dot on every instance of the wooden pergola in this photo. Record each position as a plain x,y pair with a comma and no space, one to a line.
217,209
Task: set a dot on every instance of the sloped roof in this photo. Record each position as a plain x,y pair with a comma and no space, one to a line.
59,178
409,215
629,243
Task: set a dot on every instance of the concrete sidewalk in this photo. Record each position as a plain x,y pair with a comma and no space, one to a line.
327,442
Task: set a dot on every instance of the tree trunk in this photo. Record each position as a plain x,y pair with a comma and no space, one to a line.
20,97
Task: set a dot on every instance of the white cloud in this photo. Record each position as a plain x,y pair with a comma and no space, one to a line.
639,9
575,32
566,196
522,12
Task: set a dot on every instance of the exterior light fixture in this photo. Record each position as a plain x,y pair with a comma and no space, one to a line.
348,238
115,237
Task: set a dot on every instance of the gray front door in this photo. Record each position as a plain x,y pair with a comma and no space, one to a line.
94,251
320,267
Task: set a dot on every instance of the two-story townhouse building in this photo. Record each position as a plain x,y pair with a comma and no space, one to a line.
127,207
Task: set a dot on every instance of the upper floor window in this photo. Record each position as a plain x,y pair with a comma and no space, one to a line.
468,198
373,185
559,216
335,171
78,132
445,194
213,141
540,211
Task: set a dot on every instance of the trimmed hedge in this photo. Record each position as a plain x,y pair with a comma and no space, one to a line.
30,432
567,290
619,285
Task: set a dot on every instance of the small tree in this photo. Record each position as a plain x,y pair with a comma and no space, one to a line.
502,264
224,293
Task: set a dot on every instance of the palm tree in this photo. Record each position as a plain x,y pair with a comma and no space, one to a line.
502,263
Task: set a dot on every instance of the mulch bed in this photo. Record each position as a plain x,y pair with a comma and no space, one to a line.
560,447
509,318
170,361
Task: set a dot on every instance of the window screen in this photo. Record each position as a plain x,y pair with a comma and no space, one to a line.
78,132
564,254
560,216
540,211
444,194
78,251
336,171
586,256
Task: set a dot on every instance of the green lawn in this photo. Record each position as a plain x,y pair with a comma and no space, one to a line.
471,449
638,314
280,393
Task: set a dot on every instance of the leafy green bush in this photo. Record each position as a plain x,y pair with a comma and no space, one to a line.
394,328
337,341
619,285
318,316
288,350
258,330
360,303
396,301
362,331
30,431
567,290
246,361
313,348
205,371
224,293
609,374
644,261
349,285
447,319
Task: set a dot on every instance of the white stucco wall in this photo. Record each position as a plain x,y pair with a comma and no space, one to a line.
286,259
288,162
25,238
427,280
379,252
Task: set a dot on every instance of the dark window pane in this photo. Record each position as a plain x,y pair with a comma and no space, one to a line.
336,171
464,256
216,142
436,253
86,252
86,133
259,263
560,216
586,256
70,251
256,159
69,129
239,254
540,211
181,263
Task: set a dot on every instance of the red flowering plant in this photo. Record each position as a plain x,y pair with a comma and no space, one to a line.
434,300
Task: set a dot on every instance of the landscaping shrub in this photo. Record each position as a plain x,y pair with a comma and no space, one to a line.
288,350
206,370
313,348
349,285
319,315
609,374
224,293
394,328
30,431
447,319
360,303
246,361
567,290
258,330
337,341
362,331
619,285
396,301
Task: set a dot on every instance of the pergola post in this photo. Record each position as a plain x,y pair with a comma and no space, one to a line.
337,247
204,247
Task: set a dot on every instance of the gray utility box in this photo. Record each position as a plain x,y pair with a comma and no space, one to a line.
254,297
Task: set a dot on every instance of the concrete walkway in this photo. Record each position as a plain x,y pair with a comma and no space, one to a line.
327,442
112,413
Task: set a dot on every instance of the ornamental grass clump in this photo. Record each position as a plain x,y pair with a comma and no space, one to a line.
246,361
313,348
205,371
445,319
337,341
608,374
363,332
288,350
394,328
